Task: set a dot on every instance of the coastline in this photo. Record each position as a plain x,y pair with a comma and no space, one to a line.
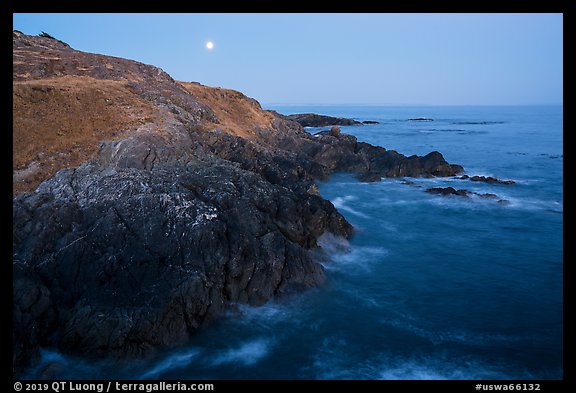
248,239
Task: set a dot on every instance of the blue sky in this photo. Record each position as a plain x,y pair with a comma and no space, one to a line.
389,59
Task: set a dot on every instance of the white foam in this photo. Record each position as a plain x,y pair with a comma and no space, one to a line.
267,314
332,362
341,203
437,369
171,362
388,226
247,354
360,296
48,356
333,244
453,336
357,261
531,204
75,367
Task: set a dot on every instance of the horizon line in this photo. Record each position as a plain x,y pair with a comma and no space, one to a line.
397,105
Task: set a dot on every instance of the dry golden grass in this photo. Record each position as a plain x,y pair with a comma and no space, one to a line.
238,114
60,123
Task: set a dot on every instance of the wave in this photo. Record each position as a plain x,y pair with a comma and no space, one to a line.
455,130
481,123
387,226
454,336
506,197
358,260
171,362
267,315
247,354
349,259
531,204
332,361
341,204
447,129
54,365
432,368
333,244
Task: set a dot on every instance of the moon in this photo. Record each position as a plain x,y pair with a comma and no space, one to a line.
209,45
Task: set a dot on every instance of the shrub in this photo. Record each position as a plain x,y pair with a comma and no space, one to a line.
46,35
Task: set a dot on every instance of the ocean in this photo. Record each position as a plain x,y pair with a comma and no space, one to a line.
429,287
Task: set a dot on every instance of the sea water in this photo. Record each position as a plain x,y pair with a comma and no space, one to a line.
429,286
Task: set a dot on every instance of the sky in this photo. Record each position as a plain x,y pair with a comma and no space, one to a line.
331,59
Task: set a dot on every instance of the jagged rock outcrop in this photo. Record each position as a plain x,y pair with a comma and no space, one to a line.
153,227
486,179
316,120
136,259
445,191
346,154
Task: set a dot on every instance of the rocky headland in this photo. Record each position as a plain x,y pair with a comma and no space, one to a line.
143,206
316,120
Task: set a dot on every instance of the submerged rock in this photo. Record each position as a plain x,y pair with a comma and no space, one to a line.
447,191
369,177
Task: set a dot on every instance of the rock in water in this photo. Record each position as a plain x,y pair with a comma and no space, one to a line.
447,191
315,120
486,179
421,119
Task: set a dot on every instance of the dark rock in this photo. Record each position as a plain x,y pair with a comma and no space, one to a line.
486,179
315,120
346,154
421,119
53,370
488,195
369,177
34,315
447,191
370,122
137,259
